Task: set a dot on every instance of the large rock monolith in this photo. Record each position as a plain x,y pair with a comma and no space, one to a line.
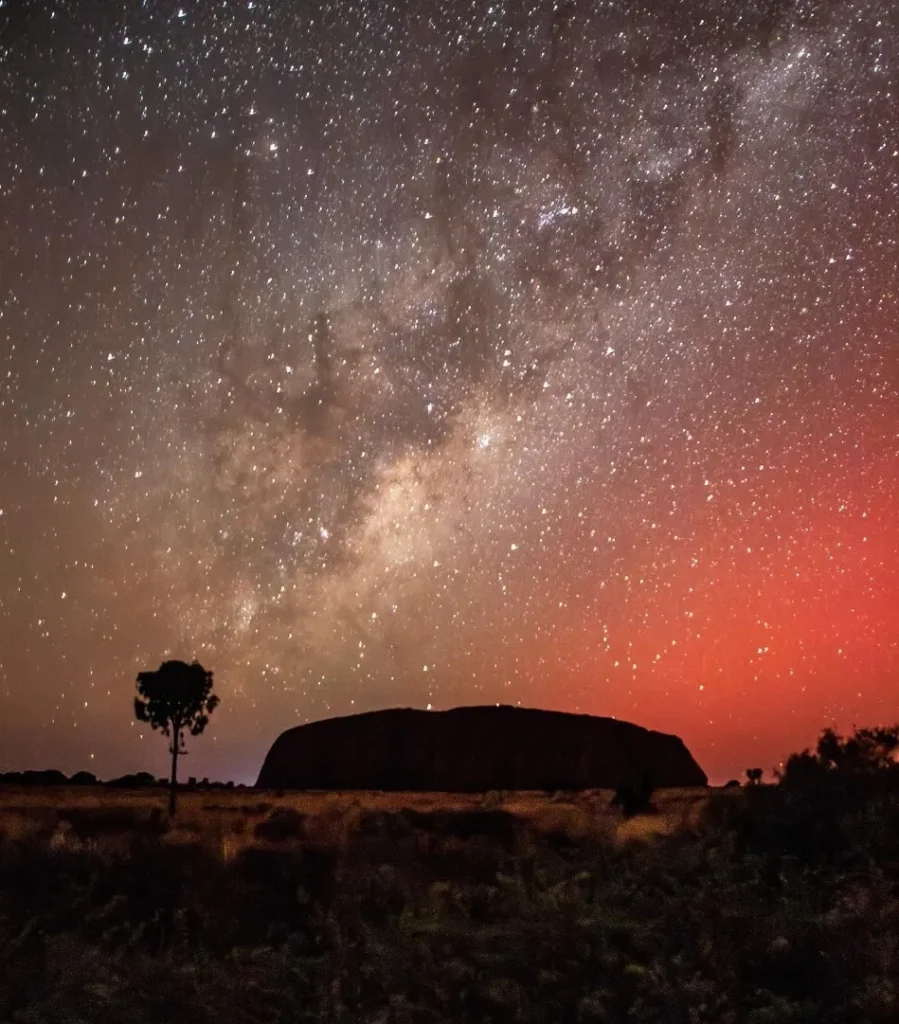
475,749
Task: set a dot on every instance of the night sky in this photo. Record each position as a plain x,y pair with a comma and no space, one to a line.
432,353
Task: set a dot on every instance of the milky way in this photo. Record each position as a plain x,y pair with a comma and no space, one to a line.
435,353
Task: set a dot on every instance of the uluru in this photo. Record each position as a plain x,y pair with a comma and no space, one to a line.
475,749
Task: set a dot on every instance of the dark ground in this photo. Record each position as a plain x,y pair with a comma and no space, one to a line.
776,908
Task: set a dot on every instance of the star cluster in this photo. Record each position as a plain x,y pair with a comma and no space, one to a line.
448,352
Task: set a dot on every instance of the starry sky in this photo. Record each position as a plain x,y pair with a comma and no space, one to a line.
445,352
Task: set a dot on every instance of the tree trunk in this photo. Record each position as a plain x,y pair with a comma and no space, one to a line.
176,743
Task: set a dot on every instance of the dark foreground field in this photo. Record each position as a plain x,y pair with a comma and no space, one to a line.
758,906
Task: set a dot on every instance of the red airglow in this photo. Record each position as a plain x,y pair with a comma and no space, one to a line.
749,665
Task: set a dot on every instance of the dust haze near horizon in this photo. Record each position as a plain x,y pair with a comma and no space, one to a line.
448,353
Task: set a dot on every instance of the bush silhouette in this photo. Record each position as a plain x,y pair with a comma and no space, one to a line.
867,752
281,825
83,779
500,826
634,798
827,804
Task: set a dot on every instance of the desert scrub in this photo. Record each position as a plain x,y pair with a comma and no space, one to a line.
477,924
280,826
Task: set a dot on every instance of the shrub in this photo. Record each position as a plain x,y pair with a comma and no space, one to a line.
281,825
500,826
390,825
634,798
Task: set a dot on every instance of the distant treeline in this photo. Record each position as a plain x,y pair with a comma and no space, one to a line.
138,780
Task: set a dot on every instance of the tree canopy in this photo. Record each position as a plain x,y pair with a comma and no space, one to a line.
176,697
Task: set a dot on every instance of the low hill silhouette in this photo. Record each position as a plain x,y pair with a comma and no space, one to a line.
475,749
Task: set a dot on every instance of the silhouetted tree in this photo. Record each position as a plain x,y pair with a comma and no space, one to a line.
83,779
175,699
867,750
754,775
867,756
